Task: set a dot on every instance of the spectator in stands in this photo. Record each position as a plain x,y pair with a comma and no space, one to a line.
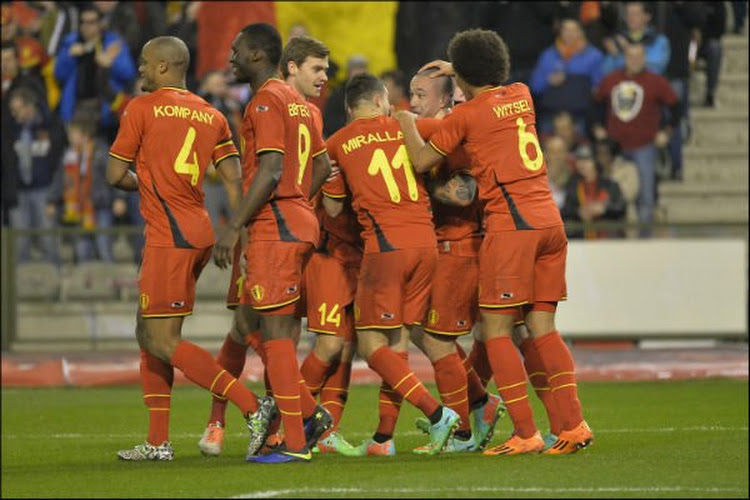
215,90
637,30
681,23
13,77
334,113
592,197
81,190
558,168
36,140
714,26
398,91
739,9
564,127
120,18
623,172
598,19
58,19
182,22
527,29
634,99
564,77
91,64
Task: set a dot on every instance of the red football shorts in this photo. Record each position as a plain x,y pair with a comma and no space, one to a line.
394,288
234,294
522,267
167,280
274,275
331,286
453,300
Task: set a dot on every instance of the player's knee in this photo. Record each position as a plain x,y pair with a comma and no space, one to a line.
438,346
328,347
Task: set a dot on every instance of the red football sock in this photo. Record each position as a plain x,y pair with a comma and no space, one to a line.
475,389
255,341
510,378
307,401
480,362
285,381
314,371
200,367
395,371
538,378
558,363
450,378
389,404
232,358
156,382
335,391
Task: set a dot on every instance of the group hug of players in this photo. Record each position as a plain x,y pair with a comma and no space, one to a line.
376,236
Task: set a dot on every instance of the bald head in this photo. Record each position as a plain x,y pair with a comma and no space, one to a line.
164,62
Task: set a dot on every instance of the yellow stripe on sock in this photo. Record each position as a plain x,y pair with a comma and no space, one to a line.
390,402
158,409
332,403
292,413
338,389
563,386
515,400
402,380
536,374
286,397
411,390
216,379
456,402
157,396
560,374
228,386
511,386
542,389
452,393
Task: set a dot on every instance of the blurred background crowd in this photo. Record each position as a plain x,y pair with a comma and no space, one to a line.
70,68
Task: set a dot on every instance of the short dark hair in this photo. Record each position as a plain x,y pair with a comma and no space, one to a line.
480,57
89,7
85,121
264,37
25,94
447,86
300,48
398,77
362,87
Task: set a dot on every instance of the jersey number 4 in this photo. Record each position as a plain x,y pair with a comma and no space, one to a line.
183,164
379,165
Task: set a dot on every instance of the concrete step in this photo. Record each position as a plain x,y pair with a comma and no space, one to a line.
735,54
700,202
731,93
715,165
719,128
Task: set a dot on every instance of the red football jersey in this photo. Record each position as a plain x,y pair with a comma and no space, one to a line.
497,129
172,135
390,200
279,119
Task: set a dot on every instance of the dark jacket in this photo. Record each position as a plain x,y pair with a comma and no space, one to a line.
48,143
677,20
606,190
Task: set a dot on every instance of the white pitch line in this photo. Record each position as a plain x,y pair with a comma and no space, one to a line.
488,489
187,435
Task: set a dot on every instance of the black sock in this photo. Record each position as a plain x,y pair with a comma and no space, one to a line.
463,435
381,438
479,402
436,415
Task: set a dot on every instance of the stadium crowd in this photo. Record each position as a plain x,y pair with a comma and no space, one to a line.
70,68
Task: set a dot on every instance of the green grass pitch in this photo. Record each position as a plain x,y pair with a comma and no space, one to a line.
659,439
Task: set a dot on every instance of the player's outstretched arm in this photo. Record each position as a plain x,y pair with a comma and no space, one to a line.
120,176
459,190
231,175
264,182
444,68
321,169
422,156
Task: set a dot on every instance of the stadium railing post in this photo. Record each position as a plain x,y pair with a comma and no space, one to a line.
8,270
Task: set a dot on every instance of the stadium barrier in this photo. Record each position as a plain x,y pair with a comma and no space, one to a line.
688,280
